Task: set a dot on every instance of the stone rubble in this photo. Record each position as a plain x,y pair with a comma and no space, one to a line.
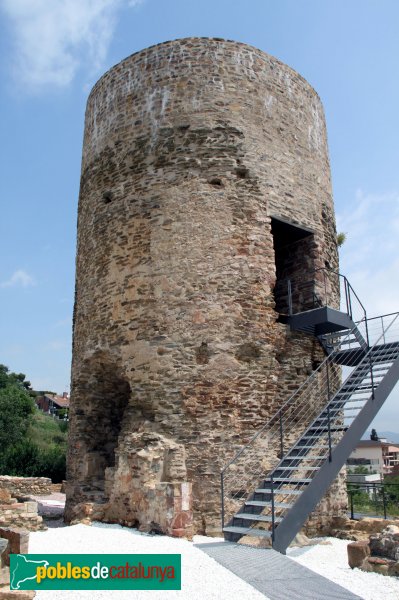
380,554
18,514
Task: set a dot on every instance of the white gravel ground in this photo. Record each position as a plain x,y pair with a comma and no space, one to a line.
202,577
331,561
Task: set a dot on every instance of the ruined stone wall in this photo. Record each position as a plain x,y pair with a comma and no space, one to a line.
190,149
18,514
25,486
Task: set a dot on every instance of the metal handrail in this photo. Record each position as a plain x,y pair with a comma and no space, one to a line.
284,405
347,287
304,412
381,487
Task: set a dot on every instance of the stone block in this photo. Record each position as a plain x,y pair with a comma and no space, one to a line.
357,553
25,486
5,496
18,542
4,576
31,507
376,564
370,525
3,548
385,544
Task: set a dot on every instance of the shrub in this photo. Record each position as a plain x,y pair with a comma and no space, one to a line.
63,425
26,459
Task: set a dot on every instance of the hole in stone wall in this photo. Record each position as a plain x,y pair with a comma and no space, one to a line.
107,197
107,395
293,256
248,352
202,354
216,181
242,172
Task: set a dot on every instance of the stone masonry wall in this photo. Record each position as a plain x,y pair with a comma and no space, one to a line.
18,514
191,148
25,486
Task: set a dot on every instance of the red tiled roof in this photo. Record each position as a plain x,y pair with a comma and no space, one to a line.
59,400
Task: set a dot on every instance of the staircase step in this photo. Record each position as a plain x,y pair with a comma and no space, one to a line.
343,402
307,458
355,388
261,518
278,492
248,531
290,481
332,429
344,411
313,447
268,503
353,395
304,468
338,410
319,432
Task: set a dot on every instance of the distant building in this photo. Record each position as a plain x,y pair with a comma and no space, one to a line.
391,458
52,403
378,456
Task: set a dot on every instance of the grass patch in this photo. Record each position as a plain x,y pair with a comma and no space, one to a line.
46,432
42,451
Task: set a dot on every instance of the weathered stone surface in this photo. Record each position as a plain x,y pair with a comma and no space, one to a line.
3,547
376,564
22,515
357,530
379,554
370,525
24,486
5,496
386,544
357,552
7,594
4,576
18,542
190,149
331,510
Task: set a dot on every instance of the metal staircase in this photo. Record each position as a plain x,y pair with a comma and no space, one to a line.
275,481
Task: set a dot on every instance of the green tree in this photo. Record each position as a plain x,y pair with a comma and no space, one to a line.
16,407
7,378
360,470
391,488
19,453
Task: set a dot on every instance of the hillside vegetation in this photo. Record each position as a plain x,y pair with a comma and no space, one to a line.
32,444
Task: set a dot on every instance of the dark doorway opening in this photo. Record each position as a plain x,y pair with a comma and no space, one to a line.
107,395
294,259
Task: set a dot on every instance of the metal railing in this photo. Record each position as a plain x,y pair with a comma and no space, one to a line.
323,287
322,403
376,499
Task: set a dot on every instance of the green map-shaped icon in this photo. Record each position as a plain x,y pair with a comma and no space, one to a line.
24,569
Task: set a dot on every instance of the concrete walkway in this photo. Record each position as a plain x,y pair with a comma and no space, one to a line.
276,576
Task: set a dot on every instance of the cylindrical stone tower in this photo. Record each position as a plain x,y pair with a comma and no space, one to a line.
205,182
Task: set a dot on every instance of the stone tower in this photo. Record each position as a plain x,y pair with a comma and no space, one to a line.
205,182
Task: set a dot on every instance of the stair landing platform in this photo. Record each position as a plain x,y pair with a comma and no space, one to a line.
273,574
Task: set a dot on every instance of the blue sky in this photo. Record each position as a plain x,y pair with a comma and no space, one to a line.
53,51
